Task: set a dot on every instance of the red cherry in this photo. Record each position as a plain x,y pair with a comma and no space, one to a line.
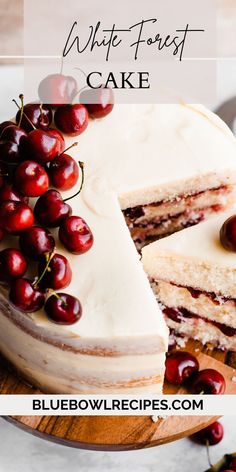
63,172
50,209
212,435
71,119
180,366
4,173
232,464
57,89
24,296
39,115
209,381
56,134
4,124
42,146
12,264
99,102
63,309
2,234
8,192
12,144
31,179
35,242
76,235
228,234
58,275
15,216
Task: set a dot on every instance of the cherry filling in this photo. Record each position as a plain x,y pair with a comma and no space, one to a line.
216,299
178,315
137,212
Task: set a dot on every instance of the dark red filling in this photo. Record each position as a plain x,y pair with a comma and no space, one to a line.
180,314
134,213
216,299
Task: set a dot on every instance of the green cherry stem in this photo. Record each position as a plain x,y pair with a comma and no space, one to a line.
81,164
208,453
48,257
69,147
21,96
50,290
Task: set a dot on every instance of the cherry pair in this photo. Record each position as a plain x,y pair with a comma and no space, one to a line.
182,366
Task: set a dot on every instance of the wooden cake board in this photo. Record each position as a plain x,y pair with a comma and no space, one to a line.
117,433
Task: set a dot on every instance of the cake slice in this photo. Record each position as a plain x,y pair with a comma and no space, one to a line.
188,173
194,279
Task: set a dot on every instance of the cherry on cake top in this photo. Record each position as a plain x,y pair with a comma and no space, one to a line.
32,154
50,209
58,273
35,114
12,142
228,234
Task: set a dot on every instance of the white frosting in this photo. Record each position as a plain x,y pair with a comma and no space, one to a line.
199,243
133,150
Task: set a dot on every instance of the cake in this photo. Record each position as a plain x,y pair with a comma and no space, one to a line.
149,170
194,278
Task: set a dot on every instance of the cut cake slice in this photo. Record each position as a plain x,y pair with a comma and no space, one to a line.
194,279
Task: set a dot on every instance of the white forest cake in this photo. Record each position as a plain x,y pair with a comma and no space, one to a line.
194,278
165,167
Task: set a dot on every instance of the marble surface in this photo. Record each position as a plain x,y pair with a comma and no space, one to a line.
20,451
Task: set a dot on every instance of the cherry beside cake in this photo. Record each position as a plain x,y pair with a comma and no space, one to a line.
194,278
149,170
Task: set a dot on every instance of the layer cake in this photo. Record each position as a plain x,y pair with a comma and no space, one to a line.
165,167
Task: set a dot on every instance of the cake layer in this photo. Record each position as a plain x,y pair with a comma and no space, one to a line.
201,330
150,222
158,211
194,257
59,366
152,231
203,304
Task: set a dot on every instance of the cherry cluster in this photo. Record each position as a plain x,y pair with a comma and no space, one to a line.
183,368
33,159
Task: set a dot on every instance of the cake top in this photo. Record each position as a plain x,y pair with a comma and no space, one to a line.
138,149
133,156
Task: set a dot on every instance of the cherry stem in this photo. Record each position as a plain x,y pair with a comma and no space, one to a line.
81,164
67,149
50,290
20,108
208,453
48,256
21,97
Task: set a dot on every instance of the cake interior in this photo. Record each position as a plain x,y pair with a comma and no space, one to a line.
190,312
161,218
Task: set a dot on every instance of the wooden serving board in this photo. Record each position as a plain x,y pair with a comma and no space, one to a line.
119,433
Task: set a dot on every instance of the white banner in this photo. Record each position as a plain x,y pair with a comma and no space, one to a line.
118,405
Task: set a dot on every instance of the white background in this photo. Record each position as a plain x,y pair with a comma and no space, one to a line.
22,452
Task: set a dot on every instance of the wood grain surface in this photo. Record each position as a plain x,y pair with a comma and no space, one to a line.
119,433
